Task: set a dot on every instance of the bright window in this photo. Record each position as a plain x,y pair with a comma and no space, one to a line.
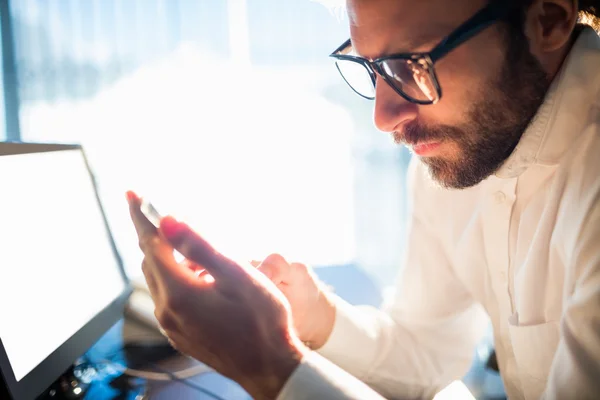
227,114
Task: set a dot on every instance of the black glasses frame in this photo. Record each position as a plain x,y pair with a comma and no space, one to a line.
490,14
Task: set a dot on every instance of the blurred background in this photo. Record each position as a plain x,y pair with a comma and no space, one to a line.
226,113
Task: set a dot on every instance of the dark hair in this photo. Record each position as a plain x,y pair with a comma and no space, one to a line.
591,7
589,13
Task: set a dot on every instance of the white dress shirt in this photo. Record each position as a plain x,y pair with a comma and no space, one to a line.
521,248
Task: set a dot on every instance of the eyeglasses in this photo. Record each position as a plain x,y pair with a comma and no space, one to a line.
412,75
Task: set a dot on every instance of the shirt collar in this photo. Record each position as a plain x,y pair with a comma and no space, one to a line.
564,112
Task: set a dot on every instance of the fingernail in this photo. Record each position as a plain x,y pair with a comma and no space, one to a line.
171,228
131,196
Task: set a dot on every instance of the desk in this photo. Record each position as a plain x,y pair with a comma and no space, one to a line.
345,279
110,347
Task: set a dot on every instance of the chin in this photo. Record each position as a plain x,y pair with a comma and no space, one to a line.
443,178
449,175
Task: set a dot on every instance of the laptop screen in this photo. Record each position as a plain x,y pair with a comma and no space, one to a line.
57,267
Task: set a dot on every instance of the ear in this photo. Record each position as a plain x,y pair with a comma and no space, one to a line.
549,24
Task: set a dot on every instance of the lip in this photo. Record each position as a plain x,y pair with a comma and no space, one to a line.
425,149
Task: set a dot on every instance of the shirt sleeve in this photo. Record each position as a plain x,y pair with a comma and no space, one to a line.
426,339
575,371
318,378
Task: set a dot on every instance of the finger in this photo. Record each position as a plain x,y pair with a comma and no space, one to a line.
260,267
150,279
161,282
271,272
192,266
144,228
198,250
201,274
162,264
163,332
206,279
178,342
276,268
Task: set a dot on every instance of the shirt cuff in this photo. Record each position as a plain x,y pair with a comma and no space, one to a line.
317,378
353,339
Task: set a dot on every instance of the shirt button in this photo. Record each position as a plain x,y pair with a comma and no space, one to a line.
500,197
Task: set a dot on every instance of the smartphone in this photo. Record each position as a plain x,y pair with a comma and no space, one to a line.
151,213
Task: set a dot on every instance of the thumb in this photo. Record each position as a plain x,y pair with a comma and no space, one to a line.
264,269
276,268
195,248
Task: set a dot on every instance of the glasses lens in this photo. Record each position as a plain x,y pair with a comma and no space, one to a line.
358,77
411,77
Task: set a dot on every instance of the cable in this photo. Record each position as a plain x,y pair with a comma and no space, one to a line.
158,376
190,384
165,375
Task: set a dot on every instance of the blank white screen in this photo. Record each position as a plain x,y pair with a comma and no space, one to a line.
57,266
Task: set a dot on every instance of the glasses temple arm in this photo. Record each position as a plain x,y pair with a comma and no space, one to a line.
483,19
342,47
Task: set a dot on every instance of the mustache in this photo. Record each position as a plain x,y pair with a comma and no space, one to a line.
415,133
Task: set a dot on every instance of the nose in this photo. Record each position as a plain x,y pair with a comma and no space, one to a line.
392,111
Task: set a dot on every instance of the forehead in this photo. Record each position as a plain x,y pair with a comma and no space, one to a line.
380,27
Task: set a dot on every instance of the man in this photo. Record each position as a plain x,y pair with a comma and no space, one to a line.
500,102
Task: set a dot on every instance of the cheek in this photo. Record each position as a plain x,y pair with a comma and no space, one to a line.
456,99
465,75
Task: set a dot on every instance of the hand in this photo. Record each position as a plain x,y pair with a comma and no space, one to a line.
312,311
227,315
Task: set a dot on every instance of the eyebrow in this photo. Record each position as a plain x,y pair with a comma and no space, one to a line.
432,37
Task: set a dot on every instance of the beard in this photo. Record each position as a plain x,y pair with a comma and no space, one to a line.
497,119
